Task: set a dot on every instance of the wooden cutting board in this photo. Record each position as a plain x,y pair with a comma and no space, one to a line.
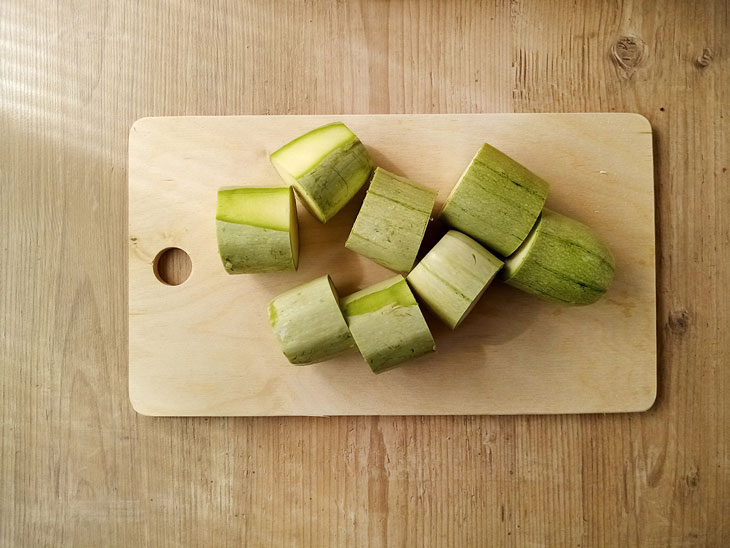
205,347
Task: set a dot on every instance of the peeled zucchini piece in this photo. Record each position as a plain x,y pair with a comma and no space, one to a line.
387,324
326,166
496,201
562,260
257,230
392,221
452,277
308,323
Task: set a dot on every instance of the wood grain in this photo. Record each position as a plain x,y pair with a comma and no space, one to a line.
206,348
80,468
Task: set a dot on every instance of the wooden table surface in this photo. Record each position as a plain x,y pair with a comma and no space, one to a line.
79,468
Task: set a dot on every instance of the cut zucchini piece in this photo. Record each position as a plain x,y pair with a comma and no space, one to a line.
326,166
562,260
392,221
496,201
452,277
308,323
387,324
257,230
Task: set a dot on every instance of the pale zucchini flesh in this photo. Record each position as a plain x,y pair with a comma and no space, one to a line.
303,154
308,323
264,207
562,260
392,221
326,166
453,275
257,230
496,201
387,324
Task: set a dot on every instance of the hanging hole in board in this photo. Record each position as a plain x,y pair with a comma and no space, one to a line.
172,266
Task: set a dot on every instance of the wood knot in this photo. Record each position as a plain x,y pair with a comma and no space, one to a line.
678,321
689,482
705,58
692,478
627,54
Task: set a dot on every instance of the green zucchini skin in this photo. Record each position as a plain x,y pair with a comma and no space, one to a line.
387,324
328,187
308,323
337,165
392,221
246,249
562,260
496,201
453,276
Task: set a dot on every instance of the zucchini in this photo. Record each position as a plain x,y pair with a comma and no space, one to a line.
562,260
387,324
392,221
257,230
452,277
496,201
308,323
326,166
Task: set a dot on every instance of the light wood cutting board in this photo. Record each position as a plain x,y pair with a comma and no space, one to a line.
205,347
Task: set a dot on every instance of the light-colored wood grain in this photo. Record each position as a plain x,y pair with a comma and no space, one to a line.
205,347
78,467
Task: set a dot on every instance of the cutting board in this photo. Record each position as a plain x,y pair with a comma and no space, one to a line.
205,347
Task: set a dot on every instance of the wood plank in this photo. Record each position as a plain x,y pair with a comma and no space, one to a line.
78,467
205,347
